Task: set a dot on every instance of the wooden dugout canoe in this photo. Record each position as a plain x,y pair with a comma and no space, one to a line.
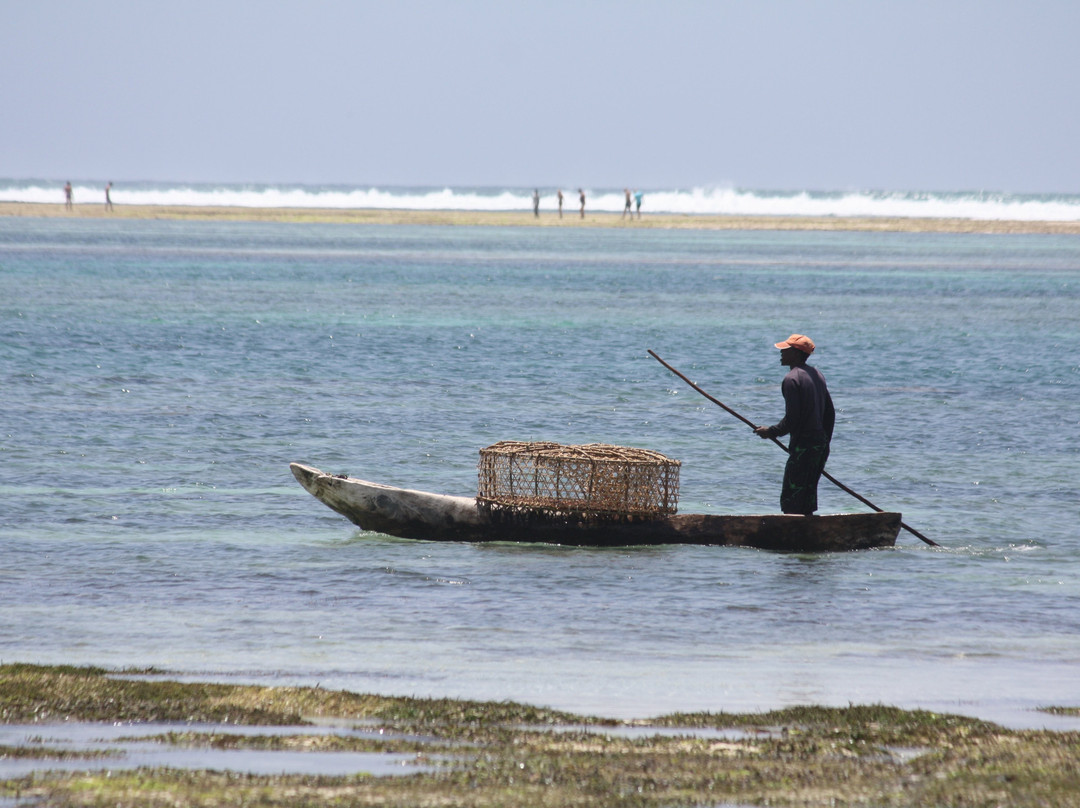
436,517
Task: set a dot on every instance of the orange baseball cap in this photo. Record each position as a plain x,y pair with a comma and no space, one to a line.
803,343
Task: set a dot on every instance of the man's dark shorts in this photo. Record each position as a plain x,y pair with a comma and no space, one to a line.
801,475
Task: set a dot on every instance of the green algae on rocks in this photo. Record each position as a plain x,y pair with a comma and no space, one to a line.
506,754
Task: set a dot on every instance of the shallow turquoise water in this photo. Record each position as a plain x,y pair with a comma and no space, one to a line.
157,379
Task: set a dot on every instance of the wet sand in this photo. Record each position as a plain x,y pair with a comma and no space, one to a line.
526,219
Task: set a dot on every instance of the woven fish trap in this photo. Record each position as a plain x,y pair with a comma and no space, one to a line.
593,480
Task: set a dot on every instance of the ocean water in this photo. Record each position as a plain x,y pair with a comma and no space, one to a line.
158,378
984,205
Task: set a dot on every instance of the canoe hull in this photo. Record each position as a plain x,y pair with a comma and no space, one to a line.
434,517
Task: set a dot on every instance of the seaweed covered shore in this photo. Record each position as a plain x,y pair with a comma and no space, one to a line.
507,754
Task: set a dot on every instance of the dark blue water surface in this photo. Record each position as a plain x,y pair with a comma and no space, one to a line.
156,378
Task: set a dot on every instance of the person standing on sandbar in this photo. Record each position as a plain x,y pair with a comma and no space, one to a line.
581,196
809,417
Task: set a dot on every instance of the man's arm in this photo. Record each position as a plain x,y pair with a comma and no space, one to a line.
789,388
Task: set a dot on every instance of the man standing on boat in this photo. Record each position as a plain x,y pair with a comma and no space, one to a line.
809,418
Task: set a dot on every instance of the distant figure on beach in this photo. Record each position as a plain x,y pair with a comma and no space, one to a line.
67,196
637,201
809,418
108,197
581,196
536,202
626,207
560,203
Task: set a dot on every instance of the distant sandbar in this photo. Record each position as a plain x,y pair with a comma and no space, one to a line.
663,221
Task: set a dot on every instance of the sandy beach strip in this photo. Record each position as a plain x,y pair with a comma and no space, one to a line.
570,218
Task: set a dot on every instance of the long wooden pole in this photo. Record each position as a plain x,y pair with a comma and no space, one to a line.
824,474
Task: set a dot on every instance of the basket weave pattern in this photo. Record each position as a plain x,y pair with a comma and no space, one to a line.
594,480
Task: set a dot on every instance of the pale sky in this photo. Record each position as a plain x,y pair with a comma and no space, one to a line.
755,94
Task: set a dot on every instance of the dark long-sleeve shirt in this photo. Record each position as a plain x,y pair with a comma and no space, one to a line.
808,408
